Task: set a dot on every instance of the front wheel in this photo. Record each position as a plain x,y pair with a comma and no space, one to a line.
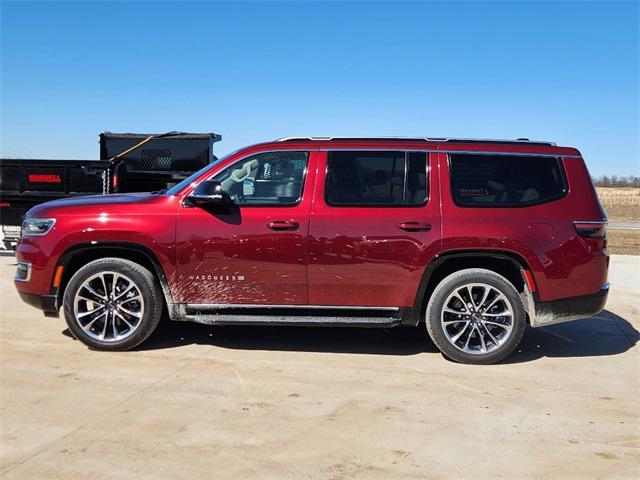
476,316
112,304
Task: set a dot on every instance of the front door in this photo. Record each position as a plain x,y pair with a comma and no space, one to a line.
253,252
374,227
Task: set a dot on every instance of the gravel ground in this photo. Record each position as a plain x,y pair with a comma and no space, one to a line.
230,402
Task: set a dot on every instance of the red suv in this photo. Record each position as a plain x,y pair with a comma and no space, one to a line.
473,238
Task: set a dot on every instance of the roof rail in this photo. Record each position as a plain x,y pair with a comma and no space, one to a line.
418,139
494,140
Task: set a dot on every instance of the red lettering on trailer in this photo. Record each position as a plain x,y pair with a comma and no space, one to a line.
44,178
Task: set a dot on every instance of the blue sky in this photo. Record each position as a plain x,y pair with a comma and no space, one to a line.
254,71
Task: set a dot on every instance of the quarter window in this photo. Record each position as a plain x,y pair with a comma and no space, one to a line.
266,179
376,178
505,181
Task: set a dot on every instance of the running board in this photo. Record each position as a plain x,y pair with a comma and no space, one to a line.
303,315
307,320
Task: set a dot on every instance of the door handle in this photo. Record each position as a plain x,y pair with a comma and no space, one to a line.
283,225
415,226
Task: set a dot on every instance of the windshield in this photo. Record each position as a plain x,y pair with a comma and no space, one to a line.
191,178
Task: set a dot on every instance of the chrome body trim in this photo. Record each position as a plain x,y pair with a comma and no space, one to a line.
214,306
28,277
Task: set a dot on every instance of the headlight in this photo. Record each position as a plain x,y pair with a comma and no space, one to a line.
37,226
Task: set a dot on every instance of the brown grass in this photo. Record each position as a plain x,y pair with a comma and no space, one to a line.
621,204
625,242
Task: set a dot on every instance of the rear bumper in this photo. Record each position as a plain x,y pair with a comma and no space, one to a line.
47,303
567,309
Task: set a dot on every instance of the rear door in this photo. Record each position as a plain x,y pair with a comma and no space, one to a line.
375,225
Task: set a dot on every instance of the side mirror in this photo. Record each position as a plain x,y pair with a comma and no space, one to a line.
209,193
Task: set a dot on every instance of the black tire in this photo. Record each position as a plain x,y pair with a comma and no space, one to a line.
145,283
456,281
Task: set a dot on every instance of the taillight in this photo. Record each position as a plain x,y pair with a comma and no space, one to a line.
115,182
588,229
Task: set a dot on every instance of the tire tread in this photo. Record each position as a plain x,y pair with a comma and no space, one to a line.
471,275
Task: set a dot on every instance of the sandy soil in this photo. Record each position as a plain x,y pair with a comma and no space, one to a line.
203,402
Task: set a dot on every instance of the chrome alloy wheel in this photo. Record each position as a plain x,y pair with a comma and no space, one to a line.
108,306
477,318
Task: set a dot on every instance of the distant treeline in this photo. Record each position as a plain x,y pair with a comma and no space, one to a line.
614,181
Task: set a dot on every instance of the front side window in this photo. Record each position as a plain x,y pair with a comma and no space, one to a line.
376,178
266,179
504,180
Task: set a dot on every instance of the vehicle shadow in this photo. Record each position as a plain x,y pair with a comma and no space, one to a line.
393,341
605,334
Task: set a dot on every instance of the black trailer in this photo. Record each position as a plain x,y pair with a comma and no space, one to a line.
148,162
129,162
28,182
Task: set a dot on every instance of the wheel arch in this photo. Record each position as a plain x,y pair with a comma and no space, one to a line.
510,265
78,255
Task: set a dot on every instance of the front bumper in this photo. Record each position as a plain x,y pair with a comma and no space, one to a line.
47,303
567,309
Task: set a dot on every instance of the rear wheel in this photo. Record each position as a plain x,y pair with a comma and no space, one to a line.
476,316
112,304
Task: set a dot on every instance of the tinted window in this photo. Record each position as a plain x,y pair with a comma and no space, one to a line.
505,181
266,179
376,178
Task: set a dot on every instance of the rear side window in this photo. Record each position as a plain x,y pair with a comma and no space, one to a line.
376,178
505,181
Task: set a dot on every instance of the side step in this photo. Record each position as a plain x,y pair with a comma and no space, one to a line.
301,316
307,321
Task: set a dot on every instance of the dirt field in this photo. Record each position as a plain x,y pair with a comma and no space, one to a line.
626,242
294,403
621,204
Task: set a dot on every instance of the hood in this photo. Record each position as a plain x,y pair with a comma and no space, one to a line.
114,203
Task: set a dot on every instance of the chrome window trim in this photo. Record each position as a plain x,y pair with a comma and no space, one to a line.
191,187
379,205
367,149
468,152
510,154
562,170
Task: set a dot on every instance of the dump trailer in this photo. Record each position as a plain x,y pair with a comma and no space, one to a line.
129,162
145,163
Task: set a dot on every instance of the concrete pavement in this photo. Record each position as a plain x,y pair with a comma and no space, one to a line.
231,402
624,225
